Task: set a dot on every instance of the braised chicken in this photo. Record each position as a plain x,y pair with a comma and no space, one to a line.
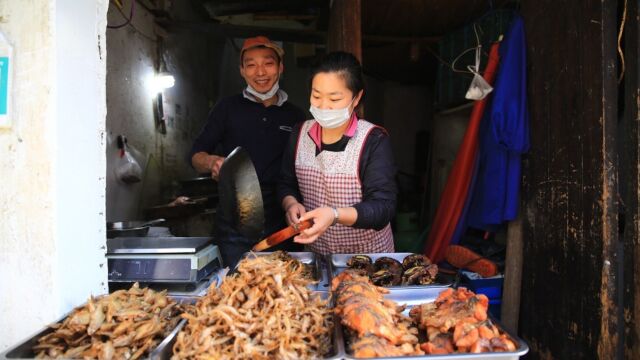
457,322
377,326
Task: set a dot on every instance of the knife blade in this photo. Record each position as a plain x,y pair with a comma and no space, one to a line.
282,235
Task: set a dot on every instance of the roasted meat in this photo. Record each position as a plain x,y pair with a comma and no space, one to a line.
385,277
414,260
420,275
376,325
457,322
361,262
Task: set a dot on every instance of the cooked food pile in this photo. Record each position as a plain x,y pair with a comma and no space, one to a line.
293,263
264,310
126,324
376,326
415,269
457,322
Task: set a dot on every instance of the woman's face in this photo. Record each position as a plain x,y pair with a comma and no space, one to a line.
330,91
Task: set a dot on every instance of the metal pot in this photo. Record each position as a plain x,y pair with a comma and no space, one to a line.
130,228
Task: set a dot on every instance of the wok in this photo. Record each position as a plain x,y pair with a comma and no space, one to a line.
130,228
240,198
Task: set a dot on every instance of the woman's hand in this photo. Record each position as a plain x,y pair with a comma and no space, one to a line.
322,218
294,212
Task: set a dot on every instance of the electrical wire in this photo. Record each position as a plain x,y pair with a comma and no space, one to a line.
620,32
124,16
130,23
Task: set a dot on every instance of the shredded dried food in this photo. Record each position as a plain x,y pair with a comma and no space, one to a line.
262,311
126,324
307,269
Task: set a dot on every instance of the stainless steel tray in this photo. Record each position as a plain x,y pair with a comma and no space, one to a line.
165,348
24,349
337,263
414,297
319,267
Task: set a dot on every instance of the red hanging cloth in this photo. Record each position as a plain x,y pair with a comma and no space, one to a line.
457,187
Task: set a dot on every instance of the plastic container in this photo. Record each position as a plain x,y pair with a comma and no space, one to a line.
491,287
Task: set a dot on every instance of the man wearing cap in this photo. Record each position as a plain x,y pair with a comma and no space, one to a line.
260,120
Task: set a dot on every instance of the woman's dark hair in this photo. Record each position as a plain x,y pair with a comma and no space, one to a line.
345,65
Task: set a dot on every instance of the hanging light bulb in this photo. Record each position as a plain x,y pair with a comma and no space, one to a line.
163,80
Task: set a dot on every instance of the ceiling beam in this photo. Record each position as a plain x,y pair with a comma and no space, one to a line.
281,34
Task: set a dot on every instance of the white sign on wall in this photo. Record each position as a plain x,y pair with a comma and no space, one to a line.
6,65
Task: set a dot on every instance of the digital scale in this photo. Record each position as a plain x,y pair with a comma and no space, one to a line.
175,260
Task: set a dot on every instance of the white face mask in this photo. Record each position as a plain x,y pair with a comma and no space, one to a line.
331,118
268,95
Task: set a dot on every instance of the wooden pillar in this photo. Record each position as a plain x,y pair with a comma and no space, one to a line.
345,27
570,290
510,309
630,182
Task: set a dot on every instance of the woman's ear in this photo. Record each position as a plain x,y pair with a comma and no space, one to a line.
356,101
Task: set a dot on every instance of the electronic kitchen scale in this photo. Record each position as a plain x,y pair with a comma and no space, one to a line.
161,259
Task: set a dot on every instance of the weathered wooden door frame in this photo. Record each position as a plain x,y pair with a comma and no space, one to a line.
570,290
629,154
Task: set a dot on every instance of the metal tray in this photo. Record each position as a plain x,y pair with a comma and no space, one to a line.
165,348
338,263
320,273
414,297
24,349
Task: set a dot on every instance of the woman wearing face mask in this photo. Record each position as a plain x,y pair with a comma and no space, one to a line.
338,170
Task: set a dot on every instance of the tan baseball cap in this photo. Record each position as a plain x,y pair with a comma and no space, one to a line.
261,41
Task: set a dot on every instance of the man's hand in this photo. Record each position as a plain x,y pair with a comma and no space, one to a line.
204,162
215,163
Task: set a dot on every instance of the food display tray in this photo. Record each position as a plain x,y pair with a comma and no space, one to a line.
337,263
164,350
23,350
320,272
415,297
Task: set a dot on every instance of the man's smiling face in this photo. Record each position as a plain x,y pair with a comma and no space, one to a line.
261,68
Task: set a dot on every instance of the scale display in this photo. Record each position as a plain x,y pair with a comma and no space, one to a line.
132,269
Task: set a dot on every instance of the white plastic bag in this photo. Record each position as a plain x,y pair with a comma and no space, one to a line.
479,88
127,168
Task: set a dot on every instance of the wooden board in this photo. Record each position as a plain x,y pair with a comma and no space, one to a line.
629,183
569,280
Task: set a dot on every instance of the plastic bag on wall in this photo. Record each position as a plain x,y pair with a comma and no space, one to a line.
127,168
479,87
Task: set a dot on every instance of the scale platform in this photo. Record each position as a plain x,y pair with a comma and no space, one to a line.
161,259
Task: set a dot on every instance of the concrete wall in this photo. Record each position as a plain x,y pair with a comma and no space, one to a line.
52,163
448,130
407,110
194,60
